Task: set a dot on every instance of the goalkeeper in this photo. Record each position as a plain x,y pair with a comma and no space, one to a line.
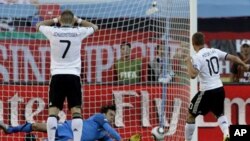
96,127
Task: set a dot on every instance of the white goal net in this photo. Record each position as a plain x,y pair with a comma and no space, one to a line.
149,86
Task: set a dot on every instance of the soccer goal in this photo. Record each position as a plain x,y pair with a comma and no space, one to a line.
146,79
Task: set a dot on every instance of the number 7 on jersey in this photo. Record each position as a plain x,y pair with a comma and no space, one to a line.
67,48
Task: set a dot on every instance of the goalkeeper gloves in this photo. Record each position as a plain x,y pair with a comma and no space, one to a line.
135,137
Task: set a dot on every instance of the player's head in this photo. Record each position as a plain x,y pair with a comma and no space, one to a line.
198,40
109,112
125,50
67,18
245,49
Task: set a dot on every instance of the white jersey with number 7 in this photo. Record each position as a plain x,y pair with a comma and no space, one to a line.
206,61
65,43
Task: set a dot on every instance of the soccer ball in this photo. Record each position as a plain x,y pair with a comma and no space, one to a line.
154,4
158,133
153,8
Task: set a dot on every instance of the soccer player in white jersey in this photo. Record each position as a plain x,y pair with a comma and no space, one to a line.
211,95
65,43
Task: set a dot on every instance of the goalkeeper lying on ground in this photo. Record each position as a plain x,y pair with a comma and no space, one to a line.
96,127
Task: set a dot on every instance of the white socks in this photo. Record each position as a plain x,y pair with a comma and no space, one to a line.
223,123
51,128
76,127
189,130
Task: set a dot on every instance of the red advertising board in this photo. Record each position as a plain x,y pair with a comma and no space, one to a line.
237,105
136,103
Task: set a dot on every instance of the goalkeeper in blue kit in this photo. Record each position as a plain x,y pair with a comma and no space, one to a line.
96,127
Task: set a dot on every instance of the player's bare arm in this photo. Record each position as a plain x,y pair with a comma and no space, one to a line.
237,60
191,70
86,23
45,22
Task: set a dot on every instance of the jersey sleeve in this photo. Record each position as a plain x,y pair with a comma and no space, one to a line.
112,131
196,63
86,31
100,119
103,122
221,54
46,30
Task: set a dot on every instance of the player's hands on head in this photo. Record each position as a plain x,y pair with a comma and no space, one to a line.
57,19
135,137
75,19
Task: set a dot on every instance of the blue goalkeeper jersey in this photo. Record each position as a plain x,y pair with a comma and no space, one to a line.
96,127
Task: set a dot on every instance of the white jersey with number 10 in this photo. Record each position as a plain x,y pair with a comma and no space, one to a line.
206,61
65,43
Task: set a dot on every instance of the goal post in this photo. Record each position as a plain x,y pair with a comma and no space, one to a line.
193,29
150,87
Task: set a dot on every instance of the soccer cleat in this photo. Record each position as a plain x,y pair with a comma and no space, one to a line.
226,138
4,127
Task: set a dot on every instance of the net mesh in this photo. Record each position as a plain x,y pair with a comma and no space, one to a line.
150,87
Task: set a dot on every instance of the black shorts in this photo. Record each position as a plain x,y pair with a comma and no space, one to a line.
65,86
206,101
